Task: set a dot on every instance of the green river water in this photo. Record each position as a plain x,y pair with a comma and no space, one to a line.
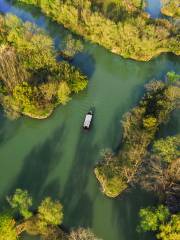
55,157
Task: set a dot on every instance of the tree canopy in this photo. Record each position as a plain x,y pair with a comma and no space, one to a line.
159,220
120,26
31,78
50,212
22,202
7,228
167,149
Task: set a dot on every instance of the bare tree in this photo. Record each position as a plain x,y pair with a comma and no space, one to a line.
11,71
162,178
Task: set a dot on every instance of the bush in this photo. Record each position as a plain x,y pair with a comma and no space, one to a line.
7,228
50,212
22,202
149,122
167,149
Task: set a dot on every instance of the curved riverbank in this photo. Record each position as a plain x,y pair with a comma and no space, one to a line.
33,82
140,125
139,38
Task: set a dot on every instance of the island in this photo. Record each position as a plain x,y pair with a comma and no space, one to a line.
116,172
32,81
123,27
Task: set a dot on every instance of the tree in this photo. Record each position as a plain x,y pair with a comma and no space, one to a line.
28,98
12,72
166,226
77,82
167,149
72,46
22,202
29,70
63,93
7,228
50,212
151,218
82,234
170,230
149,122
170,8
157,176
173,77
35,48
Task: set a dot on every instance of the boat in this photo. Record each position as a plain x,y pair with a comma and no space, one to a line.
88,120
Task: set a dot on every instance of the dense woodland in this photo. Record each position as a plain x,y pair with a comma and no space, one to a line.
120,26
32,81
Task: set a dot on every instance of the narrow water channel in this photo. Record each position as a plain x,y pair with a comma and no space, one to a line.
154,8
55,157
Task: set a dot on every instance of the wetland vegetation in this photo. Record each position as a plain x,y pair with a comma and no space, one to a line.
32,81
139,128
171,8
43,65
120,26
44,222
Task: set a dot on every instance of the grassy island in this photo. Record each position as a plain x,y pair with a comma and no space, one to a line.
32,81
120,26
171,8
140,125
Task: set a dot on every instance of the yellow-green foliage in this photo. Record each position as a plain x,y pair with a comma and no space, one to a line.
171,229
149,122
7,228
72,46
135,35
50,212
111,186
31,43
25,96
63,93
166,226
44,222
167,149
171,8
151,218
21,201
32,82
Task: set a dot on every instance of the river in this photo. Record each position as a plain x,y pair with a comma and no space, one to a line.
55,157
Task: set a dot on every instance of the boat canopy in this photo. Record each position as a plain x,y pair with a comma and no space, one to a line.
87,120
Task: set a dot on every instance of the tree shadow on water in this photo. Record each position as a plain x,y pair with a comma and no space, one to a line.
8,128
126,210
52,189
171,127
85,62
38,164
77,203
2,128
